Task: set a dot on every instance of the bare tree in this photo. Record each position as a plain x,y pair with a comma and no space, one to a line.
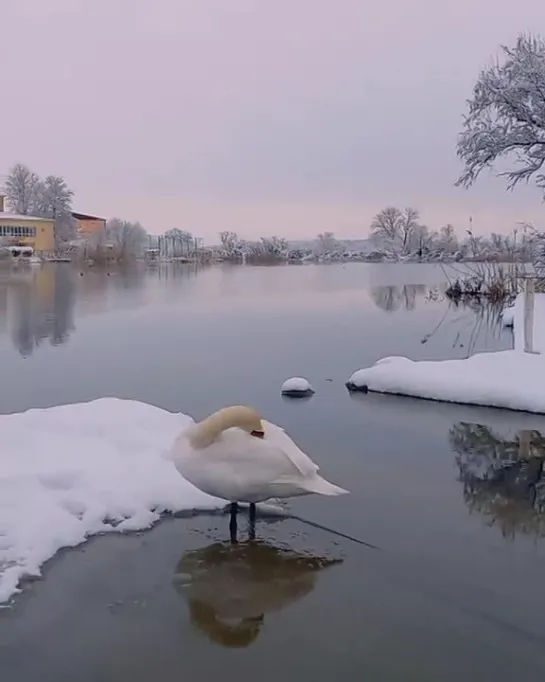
385,225
325,242
506,116
229,242
183,241
276,247
127,238
22,190
447,239
55,197
55,201
395,228
409,227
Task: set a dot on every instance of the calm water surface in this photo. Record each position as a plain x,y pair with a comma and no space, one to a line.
452,495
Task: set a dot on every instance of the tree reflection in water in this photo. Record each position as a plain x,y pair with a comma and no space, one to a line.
503,479
229,588
392,298
42,305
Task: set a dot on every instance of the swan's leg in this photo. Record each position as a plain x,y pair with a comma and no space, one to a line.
233,522
252,515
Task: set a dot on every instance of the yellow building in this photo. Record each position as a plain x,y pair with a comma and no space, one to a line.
26,230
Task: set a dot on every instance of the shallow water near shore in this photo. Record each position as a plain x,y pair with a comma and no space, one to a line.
453,590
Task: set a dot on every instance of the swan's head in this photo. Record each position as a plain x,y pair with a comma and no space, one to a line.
245,418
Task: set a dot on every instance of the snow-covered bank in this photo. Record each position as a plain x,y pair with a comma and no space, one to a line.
73,471
508,379
511,379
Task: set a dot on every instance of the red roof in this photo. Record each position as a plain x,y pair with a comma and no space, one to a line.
86,216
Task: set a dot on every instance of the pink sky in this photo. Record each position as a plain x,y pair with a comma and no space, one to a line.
288,117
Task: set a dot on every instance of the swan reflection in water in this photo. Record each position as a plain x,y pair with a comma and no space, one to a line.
504,479
229,588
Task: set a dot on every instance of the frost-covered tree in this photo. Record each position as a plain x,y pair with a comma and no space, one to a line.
49,198
128,239
229,242
506,118
55,201
325,242
276,247
183,241
181,235
447,240
396,229
22,188
385,225
410,228
54,197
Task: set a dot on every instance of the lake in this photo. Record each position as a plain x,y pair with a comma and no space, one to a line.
454,590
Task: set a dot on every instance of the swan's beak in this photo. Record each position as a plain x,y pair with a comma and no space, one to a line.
257,434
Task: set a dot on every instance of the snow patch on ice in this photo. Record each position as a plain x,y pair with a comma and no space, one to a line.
73,471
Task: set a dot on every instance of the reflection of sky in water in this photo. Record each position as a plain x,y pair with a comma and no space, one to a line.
244,329
447,597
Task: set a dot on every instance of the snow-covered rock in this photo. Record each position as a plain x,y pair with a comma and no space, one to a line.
297,387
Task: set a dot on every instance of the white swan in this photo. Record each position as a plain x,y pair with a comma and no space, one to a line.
237,456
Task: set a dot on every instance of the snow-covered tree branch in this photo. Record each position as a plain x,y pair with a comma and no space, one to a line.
506,118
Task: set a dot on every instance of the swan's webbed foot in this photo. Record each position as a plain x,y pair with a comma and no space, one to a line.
252,515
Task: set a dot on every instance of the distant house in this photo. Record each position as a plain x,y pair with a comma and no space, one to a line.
88,225
26,231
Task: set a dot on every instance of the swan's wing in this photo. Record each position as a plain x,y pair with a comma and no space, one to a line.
240,458
276,436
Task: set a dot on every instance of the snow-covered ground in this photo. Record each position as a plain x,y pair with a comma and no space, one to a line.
73,471
510,379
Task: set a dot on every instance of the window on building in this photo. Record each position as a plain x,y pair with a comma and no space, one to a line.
17,231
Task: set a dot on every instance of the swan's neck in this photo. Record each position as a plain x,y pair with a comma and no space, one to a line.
204,433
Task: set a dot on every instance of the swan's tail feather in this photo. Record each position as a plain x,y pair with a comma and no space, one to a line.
320,486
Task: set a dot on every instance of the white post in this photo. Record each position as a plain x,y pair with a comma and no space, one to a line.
529,300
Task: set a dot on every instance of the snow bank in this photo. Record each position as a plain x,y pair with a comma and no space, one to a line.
297,386
512,379
508,379
73,471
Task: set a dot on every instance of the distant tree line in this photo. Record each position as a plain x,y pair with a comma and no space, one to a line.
51,197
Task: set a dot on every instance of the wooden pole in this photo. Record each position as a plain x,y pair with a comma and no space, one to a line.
529,300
